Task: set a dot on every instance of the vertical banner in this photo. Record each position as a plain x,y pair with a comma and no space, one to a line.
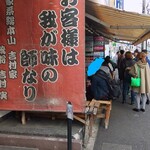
42,62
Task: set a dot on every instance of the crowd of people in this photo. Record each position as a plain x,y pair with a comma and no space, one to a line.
114,79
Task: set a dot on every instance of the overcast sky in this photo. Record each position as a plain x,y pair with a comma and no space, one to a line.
133,5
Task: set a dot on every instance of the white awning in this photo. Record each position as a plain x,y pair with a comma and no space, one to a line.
117,24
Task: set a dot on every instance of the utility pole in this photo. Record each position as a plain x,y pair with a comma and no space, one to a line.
144,44
147,9
143,6
69,113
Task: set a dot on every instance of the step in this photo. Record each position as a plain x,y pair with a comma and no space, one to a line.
28,142
16,148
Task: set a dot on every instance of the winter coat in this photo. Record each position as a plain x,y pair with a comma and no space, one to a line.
125,64
144,74
106,70
99,86
119,62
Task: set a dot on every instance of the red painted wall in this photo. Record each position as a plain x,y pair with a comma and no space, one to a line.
42,62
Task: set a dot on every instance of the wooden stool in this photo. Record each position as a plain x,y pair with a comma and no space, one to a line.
103,105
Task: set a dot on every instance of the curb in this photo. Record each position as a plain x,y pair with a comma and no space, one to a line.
90,145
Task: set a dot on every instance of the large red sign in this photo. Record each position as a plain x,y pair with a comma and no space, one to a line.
42,62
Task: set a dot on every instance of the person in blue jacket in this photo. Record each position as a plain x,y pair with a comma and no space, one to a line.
148,61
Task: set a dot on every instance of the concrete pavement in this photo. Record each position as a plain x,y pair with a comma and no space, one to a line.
92,139
128,130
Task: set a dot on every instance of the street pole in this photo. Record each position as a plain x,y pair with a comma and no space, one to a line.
69,113
144,43
143,6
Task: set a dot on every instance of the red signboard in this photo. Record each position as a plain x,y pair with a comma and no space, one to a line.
42,62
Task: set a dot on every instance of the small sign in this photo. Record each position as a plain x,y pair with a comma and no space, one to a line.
69,111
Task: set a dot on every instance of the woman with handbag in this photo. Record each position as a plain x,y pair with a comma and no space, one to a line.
140,72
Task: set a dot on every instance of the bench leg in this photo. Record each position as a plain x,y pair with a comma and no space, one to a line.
107,116
91,124
86,131
23,118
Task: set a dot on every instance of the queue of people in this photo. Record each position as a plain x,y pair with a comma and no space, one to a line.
127,65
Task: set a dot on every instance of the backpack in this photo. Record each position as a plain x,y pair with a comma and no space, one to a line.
114,87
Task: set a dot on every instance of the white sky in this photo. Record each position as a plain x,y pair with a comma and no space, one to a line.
129,5
133,5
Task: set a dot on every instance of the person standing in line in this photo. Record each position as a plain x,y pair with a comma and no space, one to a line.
136,55
115,58
120,70
136,58
126,64
120,59
148,61
143,68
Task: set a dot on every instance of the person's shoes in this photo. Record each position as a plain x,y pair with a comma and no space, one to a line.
143,110
147,102
135,109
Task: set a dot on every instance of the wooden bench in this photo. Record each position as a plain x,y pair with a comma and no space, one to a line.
102,109
94,109
99,109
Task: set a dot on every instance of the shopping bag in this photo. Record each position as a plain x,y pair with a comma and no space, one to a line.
135,82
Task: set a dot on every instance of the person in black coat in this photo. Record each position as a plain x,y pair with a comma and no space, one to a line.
126,65
100,87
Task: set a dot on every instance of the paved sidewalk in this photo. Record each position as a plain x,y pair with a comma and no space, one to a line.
128,130
90,145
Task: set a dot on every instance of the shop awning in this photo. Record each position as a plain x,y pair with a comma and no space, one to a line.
117,24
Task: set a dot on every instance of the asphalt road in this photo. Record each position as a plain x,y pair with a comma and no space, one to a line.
128,130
